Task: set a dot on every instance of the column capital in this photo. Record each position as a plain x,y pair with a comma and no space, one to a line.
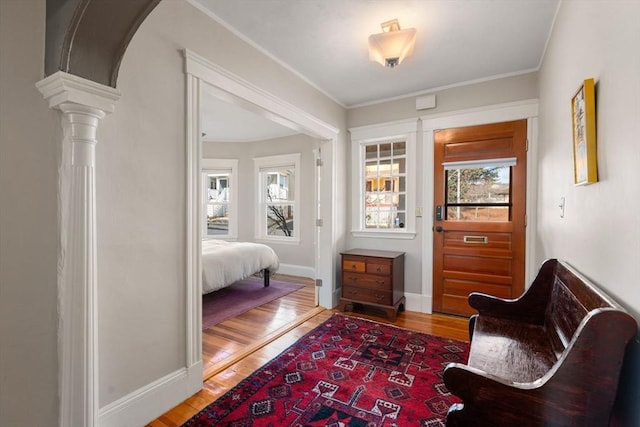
63,88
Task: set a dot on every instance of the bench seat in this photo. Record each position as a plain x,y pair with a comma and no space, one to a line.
551,357
515,351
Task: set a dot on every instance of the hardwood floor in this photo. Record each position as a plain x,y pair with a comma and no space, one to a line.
237,347
226,342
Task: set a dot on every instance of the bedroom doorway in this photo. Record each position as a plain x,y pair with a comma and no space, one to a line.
316,140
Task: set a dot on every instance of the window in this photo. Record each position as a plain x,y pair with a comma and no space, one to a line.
384,180
219,184
278,190
385,175
479,190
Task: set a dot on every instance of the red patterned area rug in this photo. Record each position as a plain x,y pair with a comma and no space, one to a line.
346,372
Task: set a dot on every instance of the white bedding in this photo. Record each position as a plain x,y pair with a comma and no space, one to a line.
226,262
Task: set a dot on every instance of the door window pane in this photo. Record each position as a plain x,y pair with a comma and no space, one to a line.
478,194
484,213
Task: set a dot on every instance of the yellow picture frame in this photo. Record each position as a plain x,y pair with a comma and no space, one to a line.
583,117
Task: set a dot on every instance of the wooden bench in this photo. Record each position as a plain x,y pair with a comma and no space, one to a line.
549,358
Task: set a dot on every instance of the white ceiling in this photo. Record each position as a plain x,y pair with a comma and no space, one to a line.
458,41
224,121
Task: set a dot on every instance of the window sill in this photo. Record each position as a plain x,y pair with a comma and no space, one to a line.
405,235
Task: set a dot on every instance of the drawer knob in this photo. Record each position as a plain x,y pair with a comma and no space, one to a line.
380,282
353,266
378,269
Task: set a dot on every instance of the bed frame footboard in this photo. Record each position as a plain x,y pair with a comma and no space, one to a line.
265,277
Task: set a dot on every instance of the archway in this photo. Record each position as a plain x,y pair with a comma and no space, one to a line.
65,91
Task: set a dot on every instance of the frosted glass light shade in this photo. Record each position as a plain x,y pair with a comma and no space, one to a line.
391,48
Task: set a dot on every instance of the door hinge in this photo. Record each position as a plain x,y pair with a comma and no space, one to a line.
526,145
318,283
525,220
319,222
319,162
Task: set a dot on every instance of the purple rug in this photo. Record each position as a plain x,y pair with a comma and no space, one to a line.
240,297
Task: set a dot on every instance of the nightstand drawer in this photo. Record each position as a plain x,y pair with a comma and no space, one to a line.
356,265
379,283
366,295
379,267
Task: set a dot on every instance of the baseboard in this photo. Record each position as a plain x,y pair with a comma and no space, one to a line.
336,297
297,270
149,402
418,302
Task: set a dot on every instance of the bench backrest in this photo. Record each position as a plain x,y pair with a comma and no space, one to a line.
571,299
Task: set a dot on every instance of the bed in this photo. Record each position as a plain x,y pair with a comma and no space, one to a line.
224,263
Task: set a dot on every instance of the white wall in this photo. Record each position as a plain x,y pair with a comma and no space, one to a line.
28,223
141,189
600,231
302,254
492,92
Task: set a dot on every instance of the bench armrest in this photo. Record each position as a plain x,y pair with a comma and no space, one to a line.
529,307
521,309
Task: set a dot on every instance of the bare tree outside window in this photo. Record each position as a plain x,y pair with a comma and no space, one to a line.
278,204
278,219
280,195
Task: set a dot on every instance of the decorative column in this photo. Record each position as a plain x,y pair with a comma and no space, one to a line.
82,104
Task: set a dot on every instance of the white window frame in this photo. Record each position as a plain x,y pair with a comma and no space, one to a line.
382,133
217,166
270,163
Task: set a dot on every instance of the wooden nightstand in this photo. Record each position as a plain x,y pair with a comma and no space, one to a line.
374,278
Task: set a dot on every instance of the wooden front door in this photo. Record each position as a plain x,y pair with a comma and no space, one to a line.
479,224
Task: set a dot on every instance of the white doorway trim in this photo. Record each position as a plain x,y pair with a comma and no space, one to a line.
238,91
527,109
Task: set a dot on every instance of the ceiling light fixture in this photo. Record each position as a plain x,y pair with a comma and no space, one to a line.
392,45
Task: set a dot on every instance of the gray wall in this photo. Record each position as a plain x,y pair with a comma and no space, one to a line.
140,202
302,254
28,223
600,231
490,92
143,144
142,190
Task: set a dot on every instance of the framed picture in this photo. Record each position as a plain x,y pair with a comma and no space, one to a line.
583,114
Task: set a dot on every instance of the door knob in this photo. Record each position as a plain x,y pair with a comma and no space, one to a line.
439,228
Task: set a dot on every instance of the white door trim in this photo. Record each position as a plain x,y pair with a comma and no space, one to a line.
231,88
527,109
